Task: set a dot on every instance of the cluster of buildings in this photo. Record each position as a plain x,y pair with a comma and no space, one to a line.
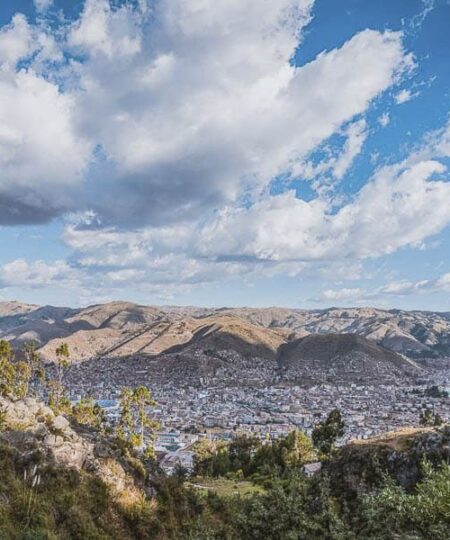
270,412
196,400
218,406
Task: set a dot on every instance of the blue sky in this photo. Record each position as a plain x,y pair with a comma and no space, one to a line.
208,152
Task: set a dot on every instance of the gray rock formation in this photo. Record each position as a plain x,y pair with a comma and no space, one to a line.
38,436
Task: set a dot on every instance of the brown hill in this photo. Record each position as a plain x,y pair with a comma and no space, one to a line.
121,329
227,333
190,336
343,358
415,333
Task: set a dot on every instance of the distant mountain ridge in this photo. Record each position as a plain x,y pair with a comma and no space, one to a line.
121,329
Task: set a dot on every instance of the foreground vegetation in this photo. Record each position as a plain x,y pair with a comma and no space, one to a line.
241,490
68,504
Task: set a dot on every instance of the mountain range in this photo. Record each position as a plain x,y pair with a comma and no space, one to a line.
122,329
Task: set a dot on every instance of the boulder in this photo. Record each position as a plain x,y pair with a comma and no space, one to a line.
44,412
40,430
37,435
60,423
32,405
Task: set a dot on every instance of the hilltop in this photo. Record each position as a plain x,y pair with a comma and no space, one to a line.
343,357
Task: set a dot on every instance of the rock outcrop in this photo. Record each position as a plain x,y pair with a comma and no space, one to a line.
36,435
362,465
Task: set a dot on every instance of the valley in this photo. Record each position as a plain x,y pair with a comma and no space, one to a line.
260,371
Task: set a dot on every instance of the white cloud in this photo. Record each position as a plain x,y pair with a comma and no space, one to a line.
356,136
403,96
102,30
177,115
21,273
341,294
41,155
403,288
42,158
178,119
399,207
16,41
442,283
336,163
20,41
418,19
391,289
42,5
192,106
384,119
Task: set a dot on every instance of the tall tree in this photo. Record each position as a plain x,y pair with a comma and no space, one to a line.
142,398
325,434
14,376
125,423
57,399
7,369
298,449
134,420
34,363
429,418
88,413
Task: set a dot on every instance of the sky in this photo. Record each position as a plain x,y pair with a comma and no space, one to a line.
225,152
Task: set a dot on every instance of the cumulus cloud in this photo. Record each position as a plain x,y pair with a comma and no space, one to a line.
187,109
16,41
399,207
391,289
42,5
37,274
278,235
403,96
443,283
41,157
356,135
336,164
331,295
158,132
102,31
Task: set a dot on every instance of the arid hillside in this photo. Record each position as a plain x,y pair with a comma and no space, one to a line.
122,329
343,357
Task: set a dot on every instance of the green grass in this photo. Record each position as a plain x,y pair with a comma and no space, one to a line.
225,487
